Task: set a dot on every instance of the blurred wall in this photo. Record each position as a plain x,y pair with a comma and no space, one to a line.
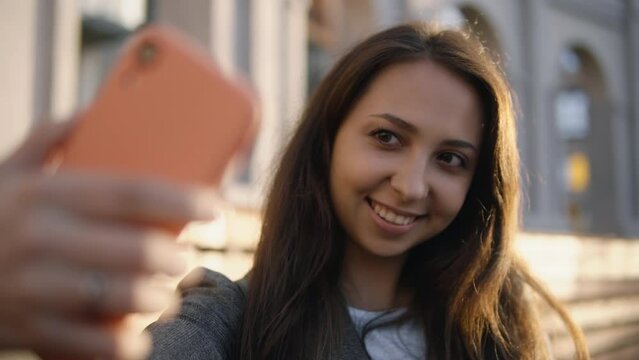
17,33
572,63
39,41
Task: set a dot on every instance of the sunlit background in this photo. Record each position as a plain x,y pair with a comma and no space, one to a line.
574,65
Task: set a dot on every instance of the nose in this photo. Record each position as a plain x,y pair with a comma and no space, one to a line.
410,181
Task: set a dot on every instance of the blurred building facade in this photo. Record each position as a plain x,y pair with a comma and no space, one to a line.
574,65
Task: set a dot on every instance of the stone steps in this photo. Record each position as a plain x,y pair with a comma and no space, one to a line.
608,313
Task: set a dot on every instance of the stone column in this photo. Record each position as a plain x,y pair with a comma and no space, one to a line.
296,59
64,58
266,68
632,37
17,44
210,22
39,41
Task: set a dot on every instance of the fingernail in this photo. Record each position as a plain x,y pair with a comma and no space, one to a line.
178,264
150,297
174,307
166,257
134,346
205,205
192,278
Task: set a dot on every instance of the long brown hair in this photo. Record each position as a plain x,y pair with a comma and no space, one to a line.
469,287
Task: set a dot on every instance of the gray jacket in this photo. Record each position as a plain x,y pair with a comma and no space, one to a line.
209,323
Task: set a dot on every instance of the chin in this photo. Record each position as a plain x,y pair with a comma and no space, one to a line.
388,248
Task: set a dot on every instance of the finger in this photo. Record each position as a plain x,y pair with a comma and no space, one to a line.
129,199
105,246
39,143
63,339
54,288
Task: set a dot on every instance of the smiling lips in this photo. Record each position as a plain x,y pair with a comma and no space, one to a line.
392,216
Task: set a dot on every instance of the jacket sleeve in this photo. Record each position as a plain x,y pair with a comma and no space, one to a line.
208,325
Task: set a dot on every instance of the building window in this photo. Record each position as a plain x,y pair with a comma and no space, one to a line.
572,114
583,129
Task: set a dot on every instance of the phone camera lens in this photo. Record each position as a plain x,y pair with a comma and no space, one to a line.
147,53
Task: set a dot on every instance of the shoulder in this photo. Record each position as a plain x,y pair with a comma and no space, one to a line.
209,321
211,290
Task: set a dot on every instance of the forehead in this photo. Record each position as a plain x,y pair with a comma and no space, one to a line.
425,94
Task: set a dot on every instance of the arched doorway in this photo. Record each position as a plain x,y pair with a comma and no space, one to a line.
582,124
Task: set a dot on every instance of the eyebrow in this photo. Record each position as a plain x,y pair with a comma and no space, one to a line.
397,121
406,126
461,144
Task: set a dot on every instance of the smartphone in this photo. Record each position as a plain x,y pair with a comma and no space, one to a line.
165,111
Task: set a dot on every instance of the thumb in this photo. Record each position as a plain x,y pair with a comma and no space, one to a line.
39,143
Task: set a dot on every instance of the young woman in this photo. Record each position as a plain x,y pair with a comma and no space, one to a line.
389,226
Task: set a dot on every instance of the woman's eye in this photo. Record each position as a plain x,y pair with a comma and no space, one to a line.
386,138
452,159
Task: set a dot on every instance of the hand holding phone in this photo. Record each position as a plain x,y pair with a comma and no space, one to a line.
164,112
89,239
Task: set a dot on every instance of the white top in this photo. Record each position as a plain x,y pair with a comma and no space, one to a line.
398,341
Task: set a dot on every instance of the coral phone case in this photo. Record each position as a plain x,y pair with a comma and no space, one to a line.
165,111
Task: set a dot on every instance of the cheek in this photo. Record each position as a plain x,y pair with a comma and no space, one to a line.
452,196
348,181
356,168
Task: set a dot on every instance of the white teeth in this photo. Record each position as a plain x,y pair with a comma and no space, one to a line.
392,217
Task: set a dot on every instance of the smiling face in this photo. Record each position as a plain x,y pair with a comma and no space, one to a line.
404,158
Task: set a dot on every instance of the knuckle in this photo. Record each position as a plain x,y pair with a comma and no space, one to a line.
117,299
29,240
137,249
21,193
20,214
13,189
131,199
28,187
